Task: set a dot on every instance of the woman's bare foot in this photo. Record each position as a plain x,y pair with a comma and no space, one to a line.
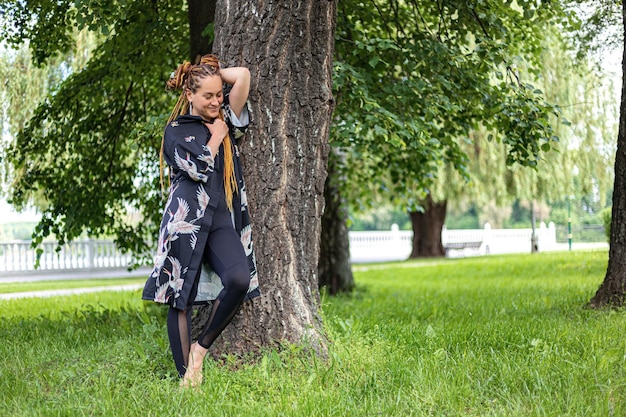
193,375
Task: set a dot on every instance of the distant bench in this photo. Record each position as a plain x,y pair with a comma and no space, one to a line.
454,246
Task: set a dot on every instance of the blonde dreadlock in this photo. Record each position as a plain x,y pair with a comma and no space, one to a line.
188,76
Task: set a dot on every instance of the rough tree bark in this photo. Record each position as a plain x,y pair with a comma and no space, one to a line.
613,289
288,47
427,227
335,270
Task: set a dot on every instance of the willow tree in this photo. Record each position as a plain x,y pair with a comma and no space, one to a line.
91,148
585,145
26,85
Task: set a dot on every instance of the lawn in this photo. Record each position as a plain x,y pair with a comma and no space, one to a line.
486,336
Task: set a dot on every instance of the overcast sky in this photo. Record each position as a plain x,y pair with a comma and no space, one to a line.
8,215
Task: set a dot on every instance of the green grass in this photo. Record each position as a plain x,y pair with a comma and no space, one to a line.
490,336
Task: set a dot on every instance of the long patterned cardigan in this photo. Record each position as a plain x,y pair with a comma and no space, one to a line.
196,185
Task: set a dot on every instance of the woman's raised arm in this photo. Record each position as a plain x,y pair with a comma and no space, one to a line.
239,78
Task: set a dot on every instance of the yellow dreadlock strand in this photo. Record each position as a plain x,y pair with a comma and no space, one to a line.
230,181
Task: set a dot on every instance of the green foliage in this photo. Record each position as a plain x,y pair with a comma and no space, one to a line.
47,24
581,233
490,336
582,164
16,231
26,87
91,147
523,117
463,219
412,77
601,27
381,217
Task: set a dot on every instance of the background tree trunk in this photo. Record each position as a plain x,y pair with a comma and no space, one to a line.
335,270
427,228
288,47
201,14
613,288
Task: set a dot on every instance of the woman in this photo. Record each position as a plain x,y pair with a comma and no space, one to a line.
205,219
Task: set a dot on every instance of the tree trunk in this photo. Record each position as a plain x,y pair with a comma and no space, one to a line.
200,14
427,228
334,268
613,288
288,47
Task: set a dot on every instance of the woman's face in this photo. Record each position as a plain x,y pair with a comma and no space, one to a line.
207,100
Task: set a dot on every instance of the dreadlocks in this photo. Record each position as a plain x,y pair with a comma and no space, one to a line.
187,77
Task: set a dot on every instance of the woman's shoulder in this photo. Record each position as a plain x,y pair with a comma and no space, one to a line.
186,120
183,124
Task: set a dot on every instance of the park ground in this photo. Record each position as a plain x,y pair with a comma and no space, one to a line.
482,336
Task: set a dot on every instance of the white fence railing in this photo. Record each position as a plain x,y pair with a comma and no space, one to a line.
500,241
78,255
396,244
19,257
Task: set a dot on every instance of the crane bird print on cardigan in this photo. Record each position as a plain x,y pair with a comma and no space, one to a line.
196,185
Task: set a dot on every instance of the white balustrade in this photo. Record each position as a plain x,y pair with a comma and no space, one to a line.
396,244
77,255
18,257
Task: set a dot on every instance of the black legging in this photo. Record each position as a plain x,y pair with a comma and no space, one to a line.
225,254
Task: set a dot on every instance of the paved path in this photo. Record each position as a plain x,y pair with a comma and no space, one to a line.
77,275
71,291
33,276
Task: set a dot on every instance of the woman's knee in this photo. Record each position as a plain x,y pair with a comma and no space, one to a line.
237,279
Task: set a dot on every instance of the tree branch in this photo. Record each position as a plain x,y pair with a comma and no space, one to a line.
118,127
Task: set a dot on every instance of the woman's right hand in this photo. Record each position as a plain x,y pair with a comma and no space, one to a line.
219,130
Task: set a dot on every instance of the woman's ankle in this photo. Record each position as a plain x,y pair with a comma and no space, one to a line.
198,351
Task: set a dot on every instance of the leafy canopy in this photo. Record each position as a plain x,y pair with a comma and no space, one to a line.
91,146
412,77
